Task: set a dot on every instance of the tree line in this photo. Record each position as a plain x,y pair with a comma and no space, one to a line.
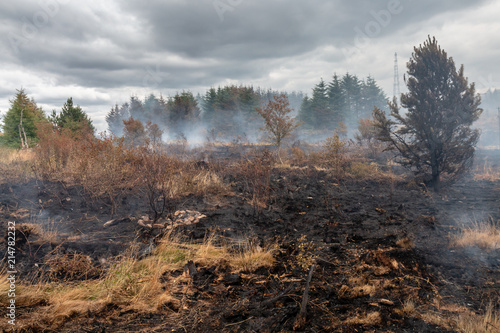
342,100
225,112
230,111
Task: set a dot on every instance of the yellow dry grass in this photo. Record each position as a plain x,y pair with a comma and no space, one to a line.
369,319
132,283
198,182
487,172
15,164
47,232
409,308
488,322
485,235
463,320
405,243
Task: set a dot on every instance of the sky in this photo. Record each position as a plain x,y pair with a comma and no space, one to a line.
102,52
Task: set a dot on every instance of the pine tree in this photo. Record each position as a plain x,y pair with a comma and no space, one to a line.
115,118
336,101
153,110
183,109
319,106
434,138
73,118
19,123
136,108
305,114
371,96
351,90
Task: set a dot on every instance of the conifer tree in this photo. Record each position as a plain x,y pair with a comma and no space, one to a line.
434,137
73,118
19,123
319,106
336,102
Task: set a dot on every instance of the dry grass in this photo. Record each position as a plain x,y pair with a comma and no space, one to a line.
409,308
369,319
405,243
460,319
47,232
488,322
487,172
131,283
16,164
485,235
371,171
198,182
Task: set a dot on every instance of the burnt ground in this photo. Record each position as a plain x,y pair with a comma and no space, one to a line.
356,227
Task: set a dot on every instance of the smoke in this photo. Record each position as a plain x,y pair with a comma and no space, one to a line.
489,122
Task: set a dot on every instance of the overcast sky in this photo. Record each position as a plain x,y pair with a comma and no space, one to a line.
102,52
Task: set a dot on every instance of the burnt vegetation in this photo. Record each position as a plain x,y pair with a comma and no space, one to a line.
142,230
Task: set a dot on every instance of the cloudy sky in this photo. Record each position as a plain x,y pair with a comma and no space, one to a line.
102,52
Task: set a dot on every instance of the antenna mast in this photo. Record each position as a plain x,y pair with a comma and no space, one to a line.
396,90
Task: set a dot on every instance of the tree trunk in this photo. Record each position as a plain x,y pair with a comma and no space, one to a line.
435,180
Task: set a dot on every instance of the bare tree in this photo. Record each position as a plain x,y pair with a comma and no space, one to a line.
278,122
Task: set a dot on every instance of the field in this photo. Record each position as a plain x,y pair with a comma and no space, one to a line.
223,238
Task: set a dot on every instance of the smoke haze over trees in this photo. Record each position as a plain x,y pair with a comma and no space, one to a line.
223,113
229,112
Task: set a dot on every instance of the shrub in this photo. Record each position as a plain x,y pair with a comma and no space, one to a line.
53,151
106,170
335,154
257,175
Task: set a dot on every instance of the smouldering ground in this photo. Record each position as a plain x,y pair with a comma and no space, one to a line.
386,253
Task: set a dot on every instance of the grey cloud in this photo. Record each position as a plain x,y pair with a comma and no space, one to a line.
123,44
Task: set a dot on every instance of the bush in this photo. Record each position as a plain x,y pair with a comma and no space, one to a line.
257,175
335,154
53,151
105,168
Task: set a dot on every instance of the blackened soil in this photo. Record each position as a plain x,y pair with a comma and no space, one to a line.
354,228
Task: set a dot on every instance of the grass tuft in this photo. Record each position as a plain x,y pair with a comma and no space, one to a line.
485,235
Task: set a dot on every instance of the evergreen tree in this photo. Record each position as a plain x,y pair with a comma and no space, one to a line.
351,90
115,118
295,98
319,106
136,108
336,102
73,118
434,137
183,109
208,106
305,114
371,96
153,110
19,123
